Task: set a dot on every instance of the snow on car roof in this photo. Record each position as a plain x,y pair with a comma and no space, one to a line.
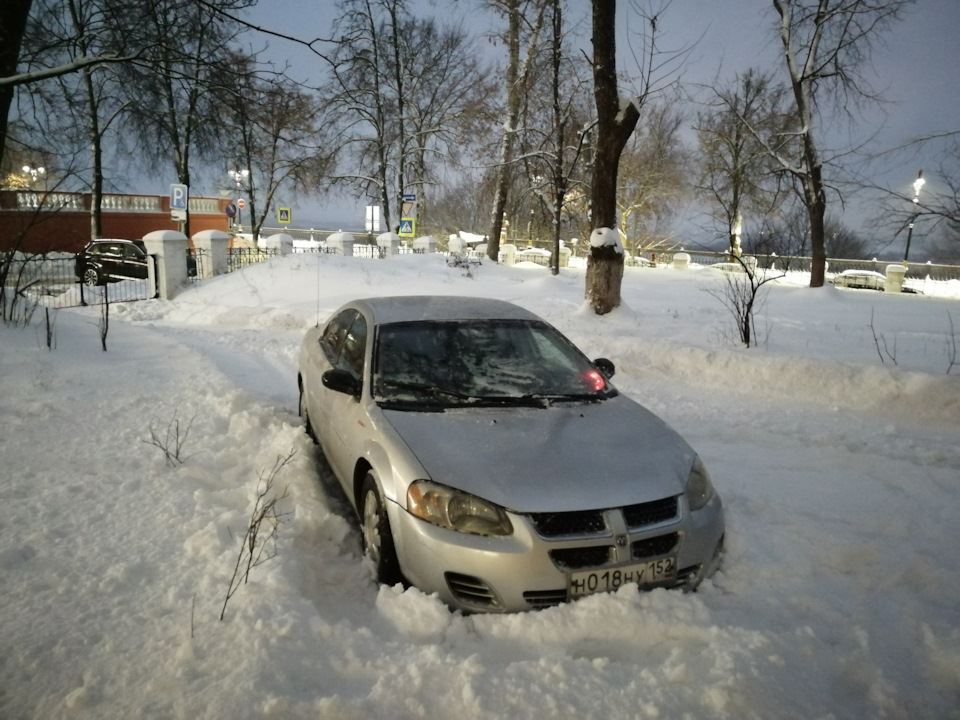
402,308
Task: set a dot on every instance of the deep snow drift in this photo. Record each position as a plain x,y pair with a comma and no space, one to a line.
839,472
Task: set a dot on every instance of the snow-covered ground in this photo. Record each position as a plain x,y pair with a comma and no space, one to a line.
840,474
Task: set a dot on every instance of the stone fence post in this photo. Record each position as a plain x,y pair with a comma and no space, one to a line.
170,249
214,246
895,276
425,244
280,242
342,241
390,242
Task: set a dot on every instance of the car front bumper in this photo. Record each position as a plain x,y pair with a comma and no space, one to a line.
528,570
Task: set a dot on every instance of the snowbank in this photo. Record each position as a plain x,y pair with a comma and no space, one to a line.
838,469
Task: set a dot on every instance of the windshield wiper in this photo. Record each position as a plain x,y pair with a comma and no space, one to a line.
574,397
430,390
504,401
433,397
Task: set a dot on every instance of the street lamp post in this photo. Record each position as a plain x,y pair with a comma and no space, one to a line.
240,176
34,172
917,184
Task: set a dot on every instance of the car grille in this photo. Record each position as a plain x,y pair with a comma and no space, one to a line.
587,527
592,522
581,557
659,545
589,522
650,513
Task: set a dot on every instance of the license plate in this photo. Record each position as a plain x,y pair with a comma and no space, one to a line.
587,582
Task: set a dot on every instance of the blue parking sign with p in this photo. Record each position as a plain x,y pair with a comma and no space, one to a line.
178,197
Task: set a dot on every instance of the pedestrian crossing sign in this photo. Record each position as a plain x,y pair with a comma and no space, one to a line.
407,227
283,215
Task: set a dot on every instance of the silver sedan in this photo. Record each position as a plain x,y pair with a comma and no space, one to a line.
490,462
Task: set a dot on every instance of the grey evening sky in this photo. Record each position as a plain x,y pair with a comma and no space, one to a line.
915,64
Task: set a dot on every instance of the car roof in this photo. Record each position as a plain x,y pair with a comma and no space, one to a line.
405,308
115,240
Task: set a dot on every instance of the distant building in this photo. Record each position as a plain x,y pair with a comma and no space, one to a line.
38,222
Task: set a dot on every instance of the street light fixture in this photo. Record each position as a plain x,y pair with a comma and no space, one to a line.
917,184
34,172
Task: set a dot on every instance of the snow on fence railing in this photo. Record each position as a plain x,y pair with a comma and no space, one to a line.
835,266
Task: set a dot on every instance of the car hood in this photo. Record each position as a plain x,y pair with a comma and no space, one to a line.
569,456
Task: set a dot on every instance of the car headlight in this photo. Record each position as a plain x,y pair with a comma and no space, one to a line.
456,510
699,488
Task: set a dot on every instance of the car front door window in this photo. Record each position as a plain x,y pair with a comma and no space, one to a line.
354,348
334,333
344,413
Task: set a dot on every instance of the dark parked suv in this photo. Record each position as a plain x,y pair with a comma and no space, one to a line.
103,261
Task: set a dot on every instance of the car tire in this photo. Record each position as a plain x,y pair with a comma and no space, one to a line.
377,537
307,426
91,277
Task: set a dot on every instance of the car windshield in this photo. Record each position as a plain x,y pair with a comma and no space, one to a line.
481,362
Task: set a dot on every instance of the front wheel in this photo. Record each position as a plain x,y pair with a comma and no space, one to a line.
377,538
306,416
91,277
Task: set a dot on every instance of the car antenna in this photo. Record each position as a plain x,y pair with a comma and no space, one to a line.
318,287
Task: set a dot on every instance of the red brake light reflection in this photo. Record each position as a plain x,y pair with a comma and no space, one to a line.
595,380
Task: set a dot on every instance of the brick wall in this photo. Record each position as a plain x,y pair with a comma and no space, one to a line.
38,222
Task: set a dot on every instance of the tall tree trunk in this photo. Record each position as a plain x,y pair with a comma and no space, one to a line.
96,151
614,127
517,78
13,23
816,211
559,128
803,83
514,98
398,76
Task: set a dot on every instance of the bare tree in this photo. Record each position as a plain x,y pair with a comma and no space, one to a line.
356,91
275,125
616,121
741,296
80,108
172,111
738,176
449,92
14,16
554,139
569,140
843,242
13,24
785,234
655,175
826,48
945,247
935,206
517,80
404,93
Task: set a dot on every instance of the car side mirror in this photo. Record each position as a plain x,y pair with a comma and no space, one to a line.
341,381
605,366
